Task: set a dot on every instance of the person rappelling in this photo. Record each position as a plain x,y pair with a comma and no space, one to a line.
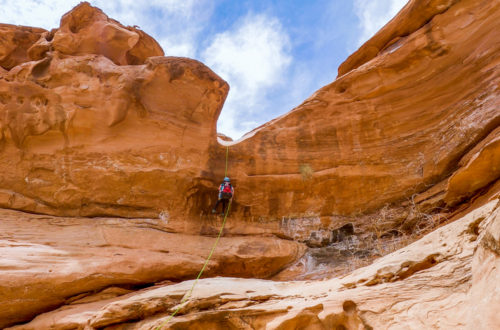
226,192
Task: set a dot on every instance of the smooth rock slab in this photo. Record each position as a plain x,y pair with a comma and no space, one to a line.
445,280
47,261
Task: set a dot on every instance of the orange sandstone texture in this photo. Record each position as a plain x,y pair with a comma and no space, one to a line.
15,42
389,129
87,30
477,169
420,12
83,133
446,280
95,121
48,261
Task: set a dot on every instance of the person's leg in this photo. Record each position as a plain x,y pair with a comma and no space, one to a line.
224,206
216,204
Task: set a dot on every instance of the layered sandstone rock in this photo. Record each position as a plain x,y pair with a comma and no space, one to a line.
78,122
87,30
88,137
390,129
446,280
84,30
15,43
484,294
479,168
96,122
82,135
48,261
420,13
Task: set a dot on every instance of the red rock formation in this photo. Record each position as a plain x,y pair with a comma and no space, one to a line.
48,262
95,121
385,131
77,126
378,134
414,15
15,43
479,168
446,280
90,137
87,30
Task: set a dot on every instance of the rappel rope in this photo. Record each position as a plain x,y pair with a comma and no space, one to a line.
190,292
227,154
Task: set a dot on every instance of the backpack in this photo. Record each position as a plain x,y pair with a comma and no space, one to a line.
227,191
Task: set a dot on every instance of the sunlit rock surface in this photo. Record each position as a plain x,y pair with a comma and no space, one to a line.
446,280
96,122
389,129
15,43
392,128
87,30
49,261
82,135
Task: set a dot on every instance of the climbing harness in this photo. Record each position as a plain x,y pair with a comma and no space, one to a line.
190,292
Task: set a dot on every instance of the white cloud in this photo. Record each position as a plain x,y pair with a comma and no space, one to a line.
253,58
45,14
374,14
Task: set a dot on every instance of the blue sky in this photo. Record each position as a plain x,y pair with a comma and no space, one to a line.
274,54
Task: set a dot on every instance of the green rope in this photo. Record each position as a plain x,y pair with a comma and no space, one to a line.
190,292
227,153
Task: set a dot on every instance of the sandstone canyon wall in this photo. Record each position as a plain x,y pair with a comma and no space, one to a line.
388,129
84,109
447,280
97,122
